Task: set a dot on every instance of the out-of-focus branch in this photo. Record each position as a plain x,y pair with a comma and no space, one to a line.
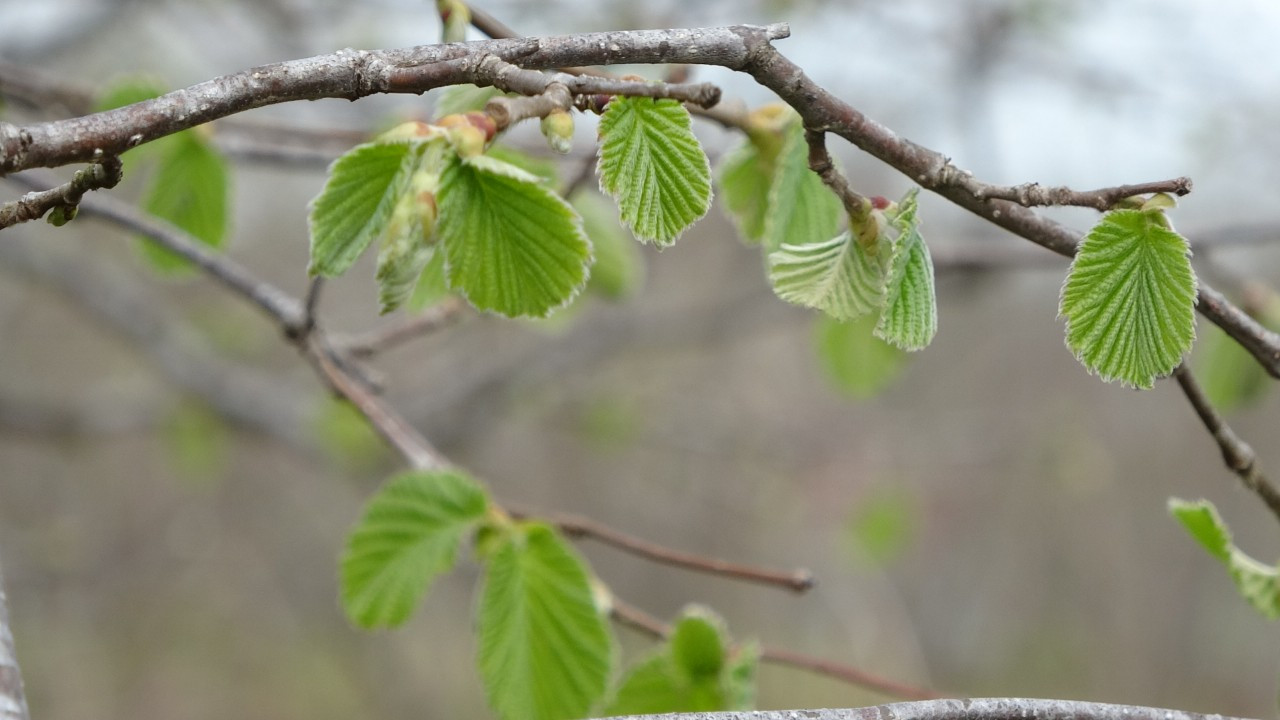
440,315
798,580
969,709
13,702
637,619
1236,453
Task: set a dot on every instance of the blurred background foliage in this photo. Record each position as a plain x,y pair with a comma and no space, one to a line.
986,519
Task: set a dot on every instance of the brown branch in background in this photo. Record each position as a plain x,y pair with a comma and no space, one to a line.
635,618
438,316
967,709
1236,453
13,701
65,197
580,527
1033,194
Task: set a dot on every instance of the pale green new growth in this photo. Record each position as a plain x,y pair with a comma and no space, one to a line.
545,651
511,245
909,317
652,164
745,175
190,189
801,209
1129,298
835,276
1258,583
860,363
353,208
409,534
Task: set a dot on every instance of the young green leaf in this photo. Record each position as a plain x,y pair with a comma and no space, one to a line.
1231,377
745,174
1129,298
409,534
1257,583
698,643
545,649
653,165
407,244
458,99
431,287
836,276
801,209
740,676
909,317
511,245
619,267
189,189
363,188
544,169
859,363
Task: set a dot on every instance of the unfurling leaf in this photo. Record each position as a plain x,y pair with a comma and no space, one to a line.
511,245
909,316
1258,583
836,276
407,241
1129,298
802,210
409,534
545,649
653,165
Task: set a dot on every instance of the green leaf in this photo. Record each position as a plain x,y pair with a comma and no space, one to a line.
619,267
409,534
432,287
883,523
740,677
745,175
1258,583
457,99
802,211
859,363
653,165
697,643
363,188
407,239
1129,299
544,169
511,245
836,276
189,189
1231,377
545,650
909,317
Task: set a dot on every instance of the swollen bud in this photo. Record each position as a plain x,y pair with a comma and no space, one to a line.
557,126
879,202
468,132
412,130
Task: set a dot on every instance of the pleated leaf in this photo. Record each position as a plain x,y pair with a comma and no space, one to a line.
356,202
836,276
1257,582
652,164
909,316
409,534
545,650
1129,298
511,245
801,209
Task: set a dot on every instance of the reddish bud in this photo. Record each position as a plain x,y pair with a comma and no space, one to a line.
879,202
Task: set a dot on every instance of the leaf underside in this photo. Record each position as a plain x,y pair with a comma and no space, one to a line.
909,316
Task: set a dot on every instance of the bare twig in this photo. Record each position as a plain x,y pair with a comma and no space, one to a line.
1236,453
580,527
968,709
440,315
13,702
33,205
637,619
1032,194
820,162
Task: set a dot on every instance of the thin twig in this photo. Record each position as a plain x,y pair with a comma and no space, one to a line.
967,709
33,205
637,619
1033,194
1236,453
440,315
13,701
580,527
820,162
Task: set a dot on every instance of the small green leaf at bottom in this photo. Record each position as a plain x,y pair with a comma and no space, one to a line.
545,649
1258,583
409,534
1129,299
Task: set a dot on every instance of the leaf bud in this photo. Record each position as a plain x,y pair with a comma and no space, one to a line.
557,126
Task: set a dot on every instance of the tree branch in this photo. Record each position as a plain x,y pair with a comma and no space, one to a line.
973,709
33,205
1031,194
13,702
1236,453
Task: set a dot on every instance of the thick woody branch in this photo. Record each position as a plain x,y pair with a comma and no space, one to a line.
971,709
1236,453
34,205
13,702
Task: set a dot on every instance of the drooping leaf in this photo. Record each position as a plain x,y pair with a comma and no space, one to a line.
1258,583
408,238
545,650
352,210
511,245
409,534
837,276
1129,298
1232,378
432,286
801,209
619,267
745,175
653,165
859,363
909,316
189,188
